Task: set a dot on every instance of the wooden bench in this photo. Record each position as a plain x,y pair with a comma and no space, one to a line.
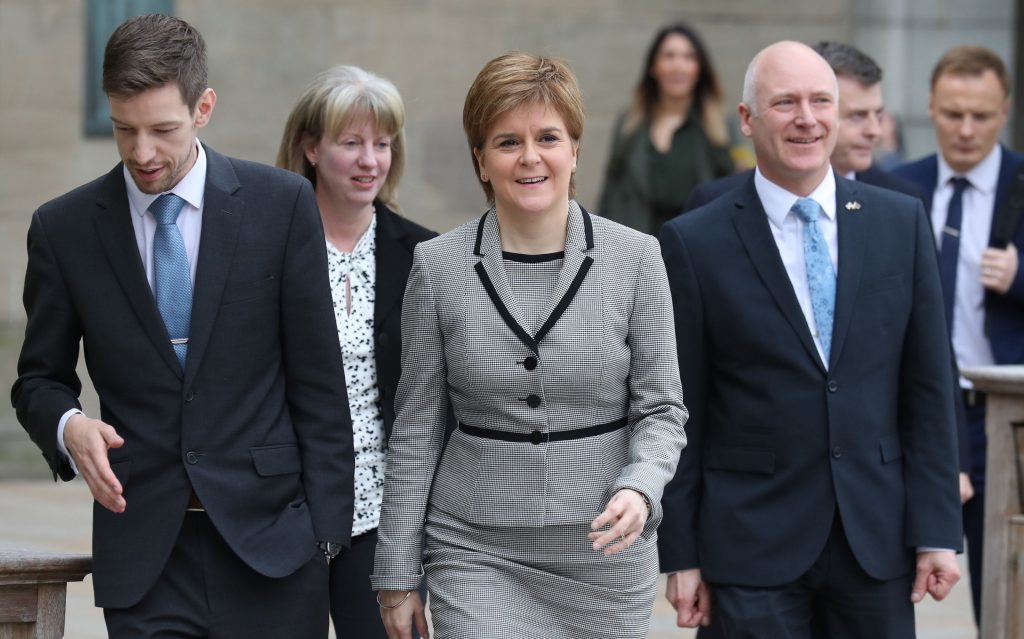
33,589
1003,592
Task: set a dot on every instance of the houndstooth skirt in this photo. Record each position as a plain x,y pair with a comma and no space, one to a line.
535,583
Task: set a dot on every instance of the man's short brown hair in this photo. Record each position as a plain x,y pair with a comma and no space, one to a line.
151,51
971,60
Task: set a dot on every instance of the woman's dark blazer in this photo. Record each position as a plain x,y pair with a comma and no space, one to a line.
396,239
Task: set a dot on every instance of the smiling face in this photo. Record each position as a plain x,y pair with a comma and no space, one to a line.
156,134
968,113
676,67
794,121
529,157
860,118
351,167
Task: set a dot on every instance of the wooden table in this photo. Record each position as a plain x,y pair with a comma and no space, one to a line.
1003,592
33,587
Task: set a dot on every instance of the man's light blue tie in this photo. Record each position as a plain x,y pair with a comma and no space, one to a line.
172,275
821,276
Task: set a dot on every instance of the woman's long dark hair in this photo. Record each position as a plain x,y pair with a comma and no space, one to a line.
707,92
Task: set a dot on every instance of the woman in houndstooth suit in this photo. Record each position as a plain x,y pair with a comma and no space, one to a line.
550,332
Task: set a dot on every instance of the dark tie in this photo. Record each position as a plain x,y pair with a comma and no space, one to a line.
821,276
171,271
949,251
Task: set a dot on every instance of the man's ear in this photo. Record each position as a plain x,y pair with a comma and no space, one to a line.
204,107
745,115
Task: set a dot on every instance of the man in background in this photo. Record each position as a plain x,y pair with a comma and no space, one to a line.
979,235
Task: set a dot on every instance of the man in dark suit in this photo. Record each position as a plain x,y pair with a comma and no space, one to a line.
822,466
860,110
221,464
979,234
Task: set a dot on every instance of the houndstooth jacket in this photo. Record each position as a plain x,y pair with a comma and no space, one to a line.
606,351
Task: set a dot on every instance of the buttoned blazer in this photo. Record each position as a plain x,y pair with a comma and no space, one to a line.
777,442
707,191
257,423
396,237
605,351
1004,314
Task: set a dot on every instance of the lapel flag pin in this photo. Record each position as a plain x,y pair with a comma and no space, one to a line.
853,206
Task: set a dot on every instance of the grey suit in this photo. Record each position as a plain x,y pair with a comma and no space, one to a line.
606,351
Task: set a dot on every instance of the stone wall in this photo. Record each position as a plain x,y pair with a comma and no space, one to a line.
263,52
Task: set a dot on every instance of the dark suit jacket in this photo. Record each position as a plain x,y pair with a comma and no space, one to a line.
257,423
707,191
777,442
396,238
1004,314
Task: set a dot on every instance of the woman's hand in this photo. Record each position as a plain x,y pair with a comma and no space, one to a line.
400,609
625,517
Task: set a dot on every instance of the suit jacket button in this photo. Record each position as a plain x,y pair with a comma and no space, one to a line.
191,457
530,363
833,385
536,437
382,339
532,401
189,396
837,451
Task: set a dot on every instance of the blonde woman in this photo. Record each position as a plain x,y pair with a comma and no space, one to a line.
346,135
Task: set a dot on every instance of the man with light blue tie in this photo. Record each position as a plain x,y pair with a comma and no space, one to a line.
821,476
221,462
979,233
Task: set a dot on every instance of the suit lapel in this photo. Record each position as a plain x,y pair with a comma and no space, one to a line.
751,223
393,262
491,271
575,266
852,230
114,226
222,216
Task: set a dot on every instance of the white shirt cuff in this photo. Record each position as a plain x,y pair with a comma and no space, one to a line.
60,437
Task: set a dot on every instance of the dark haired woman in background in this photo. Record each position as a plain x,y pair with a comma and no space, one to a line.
673,137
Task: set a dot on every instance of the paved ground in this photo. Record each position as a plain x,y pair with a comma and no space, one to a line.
42,515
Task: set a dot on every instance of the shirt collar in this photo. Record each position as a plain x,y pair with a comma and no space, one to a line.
190,188
777,201
983,176
365,245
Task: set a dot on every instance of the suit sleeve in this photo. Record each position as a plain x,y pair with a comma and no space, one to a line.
47,384
677,536
656,410
418,436
315,376
928,428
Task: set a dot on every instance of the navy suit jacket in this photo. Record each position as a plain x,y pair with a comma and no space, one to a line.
1004,314
777,442
396,238
257,423
707,191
